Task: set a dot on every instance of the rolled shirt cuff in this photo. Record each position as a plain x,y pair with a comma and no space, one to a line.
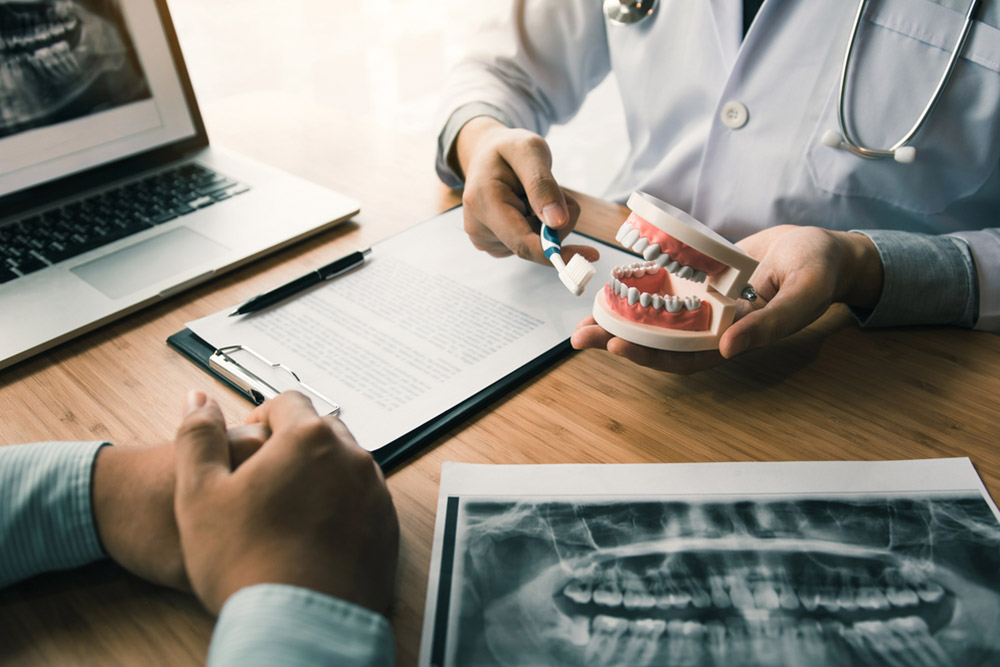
279,624
46,515
447,171
928,279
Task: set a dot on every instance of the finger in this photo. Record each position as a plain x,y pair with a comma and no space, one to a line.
590,254
531,161
792,308
244,441
201,446
492,219
295,433
590,336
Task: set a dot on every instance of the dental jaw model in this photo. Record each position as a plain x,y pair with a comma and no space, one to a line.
682,296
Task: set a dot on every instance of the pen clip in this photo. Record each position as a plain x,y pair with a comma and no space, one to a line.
255,387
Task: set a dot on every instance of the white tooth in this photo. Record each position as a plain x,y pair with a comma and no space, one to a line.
809,600
692,302
828,599
699,276
765,596
608,593
909,624
604,635
626,272
641,244
579,591
622,290
930,592
672,304
902,596
788,599
717,644
633,295
643,642
848,600
869,597
579,630
682,598
636,595
614,285
674,266
630,238
622,231
917,637
719,595
651,252
685,272
645,299
639,272
657,302
662,260
699,596
741,596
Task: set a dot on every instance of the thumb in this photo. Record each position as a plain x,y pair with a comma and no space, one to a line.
789,311
202,448
533,167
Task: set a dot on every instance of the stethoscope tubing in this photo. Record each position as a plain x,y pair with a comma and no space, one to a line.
849,143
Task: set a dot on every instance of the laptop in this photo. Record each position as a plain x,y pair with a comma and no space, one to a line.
110,196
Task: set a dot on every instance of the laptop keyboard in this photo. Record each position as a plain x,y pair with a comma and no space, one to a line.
41,240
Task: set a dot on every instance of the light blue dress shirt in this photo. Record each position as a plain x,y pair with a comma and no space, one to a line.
47,523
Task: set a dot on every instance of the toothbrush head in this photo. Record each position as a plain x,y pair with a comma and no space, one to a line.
577,274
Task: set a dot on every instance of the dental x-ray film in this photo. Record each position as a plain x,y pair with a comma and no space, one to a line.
821,563
64,59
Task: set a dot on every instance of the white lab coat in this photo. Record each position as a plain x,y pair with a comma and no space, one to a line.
678,69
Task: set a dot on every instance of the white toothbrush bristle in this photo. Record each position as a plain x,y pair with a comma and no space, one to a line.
580,271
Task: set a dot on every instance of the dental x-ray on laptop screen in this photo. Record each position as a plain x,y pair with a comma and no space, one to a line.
110,196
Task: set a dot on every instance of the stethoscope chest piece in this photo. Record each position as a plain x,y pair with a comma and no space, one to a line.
627,12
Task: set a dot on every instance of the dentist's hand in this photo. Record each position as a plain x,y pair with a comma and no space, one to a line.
509,187
802,271
310,508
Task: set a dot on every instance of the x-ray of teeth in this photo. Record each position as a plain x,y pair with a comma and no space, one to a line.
806,581
64,59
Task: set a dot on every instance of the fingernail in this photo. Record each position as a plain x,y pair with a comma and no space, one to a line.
553,215
195,399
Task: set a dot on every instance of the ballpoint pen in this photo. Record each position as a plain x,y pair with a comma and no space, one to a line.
314,277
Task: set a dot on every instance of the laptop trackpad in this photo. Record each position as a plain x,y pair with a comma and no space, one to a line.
148,262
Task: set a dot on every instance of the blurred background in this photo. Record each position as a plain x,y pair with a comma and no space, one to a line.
384,59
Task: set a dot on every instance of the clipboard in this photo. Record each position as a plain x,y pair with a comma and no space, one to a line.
198,351
422,336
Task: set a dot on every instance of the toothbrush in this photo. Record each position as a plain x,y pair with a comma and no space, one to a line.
574,275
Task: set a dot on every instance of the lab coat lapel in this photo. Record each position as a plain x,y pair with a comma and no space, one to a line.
727,17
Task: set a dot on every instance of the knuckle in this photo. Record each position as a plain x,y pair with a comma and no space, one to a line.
522,249
535,144
312,430
199,425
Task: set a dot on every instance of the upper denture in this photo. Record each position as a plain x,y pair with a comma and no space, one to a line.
646,239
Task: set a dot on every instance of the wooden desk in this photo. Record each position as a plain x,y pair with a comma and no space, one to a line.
830,392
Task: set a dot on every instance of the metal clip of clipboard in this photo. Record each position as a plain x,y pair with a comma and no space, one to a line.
255,387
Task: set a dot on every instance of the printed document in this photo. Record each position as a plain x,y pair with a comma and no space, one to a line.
427,322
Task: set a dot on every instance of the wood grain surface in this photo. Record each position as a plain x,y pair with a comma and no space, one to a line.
831,392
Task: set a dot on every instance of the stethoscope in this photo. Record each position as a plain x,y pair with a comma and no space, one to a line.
627,12
899,151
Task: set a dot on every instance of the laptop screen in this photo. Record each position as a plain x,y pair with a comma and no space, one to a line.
83,83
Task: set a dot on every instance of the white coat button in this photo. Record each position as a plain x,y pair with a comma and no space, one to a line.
734,115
